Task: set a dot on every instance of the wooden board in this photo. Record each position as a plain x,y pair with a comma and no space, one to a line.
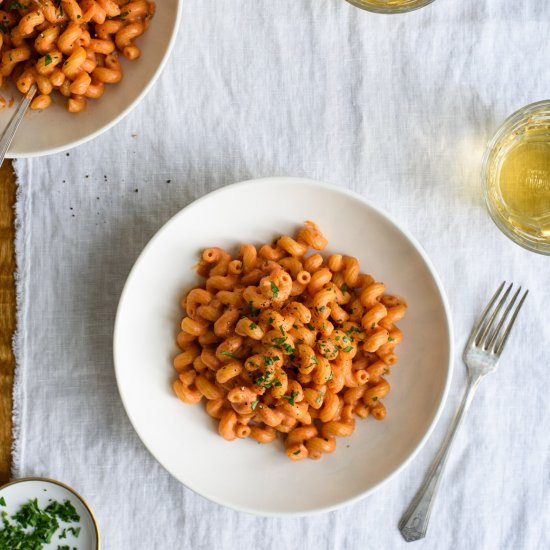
7,313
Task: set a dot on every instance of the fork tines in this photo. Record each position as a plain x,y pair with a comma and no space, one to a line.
485,334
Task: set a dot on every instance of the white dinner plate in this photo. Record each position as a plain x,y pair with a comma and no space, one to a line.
20,491
242,474
55,129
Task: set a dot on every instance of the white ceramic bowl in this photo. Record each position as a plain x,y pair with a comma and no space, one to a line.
54,129
242,474
19,492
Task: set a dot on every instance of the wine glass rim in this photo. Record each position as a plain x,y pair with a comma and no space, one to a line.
411,6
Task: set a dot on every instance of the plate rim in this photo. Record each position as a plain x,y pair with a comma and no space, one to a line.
24,154
448,325
23,480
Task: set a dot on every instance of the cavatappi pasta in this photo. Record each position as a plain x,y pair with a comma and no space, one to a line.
68,45
276,340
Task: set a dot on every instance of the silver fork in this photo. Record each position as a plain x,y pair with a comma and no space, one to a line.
481,355
9,131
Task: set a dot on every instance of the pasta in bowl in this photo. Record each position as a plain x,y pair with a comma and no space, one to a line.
246,475
277,341
91,61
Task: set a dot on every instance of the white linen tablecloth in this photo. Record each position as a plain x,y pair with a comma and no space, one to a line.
396,108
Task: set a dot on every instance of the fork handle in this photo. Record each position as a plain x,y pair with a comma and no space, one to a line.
414,523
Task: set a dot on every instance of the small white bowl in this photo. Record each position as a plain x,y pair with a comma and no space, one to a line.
259,478
20,491
54,129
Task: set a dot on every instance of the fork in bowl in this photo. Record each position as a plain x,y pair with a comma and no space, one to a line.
481,356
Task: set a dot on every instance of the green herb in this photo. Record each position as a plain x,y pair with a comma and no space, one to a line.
11,58
344,287
17,6
276,358
347,349
274,290
278,341
319,397
270,321
63,534
47,59
375,398
330,377
254,404
121,15
229,354
390,339
289,349
265,381
253,326
32,527
251,309
268,361
373,325
290,398
310,326
296,452
2,501
282,330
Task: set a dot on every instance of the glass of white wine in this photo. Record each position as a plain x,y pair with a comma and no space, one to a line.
516,177
390,6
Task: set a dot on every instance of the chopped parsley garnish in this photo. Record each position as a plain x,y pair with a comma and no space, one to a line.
319,397
270,321
296,452
289,349
282,330
390,339
17,6
253,326
254,404
274,290
310,326
347,349
375,398
32,527
290,398
265,381
229,354
278,341
251,309
2,501
344,287
268,361
47,59
330,377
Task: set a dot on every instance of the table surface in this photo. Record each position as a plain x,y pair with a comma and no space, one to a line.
7,313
